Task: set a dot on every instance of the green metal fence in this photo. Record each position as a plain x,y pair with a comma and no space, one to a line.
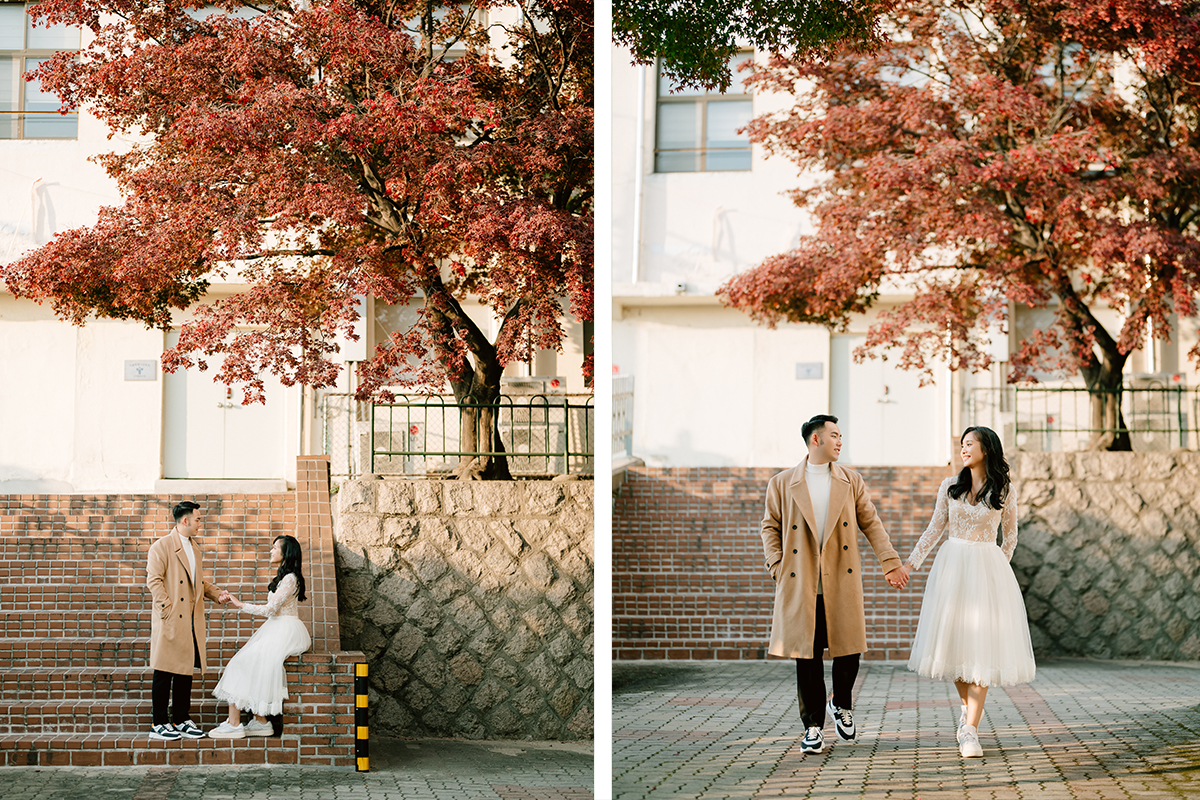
1158,415
542,434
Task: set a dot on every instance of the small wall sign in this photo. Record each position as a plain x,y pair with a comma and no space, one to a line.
141,370
810,371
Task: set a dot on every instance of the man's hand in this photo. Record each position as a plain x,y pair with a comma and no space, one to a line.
898,577
224,597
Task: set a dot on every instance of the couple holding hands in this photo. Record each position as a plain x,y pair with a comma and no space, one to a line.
254,679
972,628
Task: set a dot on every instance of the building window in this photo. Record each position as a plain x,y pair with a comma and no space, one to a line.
697,130
27,111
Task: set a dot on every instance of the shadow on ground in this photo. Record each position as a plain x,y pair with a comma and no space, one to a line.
646,677
478,758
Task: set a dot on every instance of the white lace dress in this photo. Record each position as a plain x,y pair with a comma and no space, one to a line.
254,679
973,626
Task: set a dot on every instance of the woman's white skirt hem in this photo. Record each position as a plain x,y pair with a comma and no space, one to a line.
973,626
254,679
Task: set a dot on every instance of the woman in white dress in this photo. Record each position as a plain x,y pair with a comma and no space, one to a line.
973,628
254,678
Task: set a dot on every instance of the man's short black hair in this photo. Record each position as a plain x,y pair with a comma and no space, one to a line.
815,424
183,509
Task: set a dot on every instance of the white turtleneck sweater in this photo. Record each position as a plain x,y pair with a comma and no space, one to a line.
818,477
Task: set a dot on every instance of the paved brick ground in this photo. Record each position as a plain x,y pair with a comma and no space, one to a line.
1082,729
422,769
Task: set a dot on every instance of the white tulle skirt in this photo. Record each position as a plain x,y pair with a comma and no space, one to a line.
973,626
254,679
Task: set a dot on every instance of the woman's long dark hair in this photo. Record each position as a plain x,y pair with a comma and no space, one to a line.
996,484
291,563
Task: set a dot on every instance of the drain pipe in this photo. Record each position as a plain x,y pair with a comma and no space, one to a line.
639,159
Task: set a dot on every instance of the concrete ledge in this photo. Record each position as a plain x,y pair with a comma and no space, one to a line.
620,465
220,486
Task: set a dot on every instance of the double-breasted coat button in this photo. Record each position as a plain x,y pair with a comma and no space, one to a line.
849,570
793,527
845,547
794,550
793,574
844,524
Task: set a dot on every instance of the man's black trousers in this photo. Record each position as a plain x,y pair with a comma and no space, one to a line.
810,676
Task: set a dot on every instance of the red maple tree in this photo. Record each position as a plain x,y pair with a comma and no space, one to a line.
325,150
996,152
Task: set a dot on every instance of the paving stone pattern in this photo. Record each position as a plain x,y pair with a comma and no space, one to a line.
408,769
1108,553
473,604
1081,729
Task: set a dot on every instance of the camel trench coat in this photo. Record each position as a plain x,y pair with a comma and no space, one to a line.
178,611
794,556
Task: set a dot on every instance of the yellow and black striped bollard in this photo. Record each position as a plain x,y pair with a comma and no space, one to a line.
362,743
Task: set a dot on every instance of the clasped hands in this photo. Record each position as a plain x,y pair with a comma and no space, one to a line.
898,578
226,597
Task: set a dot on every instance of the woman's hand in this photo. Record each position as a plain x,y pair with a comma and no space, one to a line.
898,578
233,601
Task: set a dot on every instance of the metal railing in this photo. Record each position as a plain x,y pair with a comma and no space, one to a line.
622,417
1158,416
542,434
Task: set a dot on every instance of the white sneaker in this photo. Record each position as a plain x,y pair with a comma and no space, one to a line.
968,742
843,721
813,741
227,731
256,728
962,720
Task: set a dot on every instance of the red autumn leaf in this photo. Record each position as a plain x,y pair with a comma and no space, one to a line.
961,160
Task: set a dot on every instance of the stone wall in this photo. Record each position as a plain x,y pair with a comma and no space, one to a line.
473,604
1107,554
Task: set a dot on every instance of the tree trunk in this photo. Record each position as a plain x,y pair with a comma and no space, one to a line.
479,424
1104,381
1102,372
475,381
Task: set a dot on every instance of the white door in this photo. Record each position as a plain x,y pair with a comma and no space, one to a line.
886,417
208,433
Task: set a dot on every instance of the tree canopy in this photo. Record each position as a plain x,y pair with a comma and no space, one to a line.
325,150
993,152
696,38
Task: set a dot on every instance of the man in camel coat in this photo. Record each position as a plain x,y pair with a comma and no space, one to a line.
175,576
814,512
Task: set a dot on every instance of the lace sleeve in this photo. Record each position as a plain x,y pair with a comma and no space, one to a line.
937,526
1008,524
275,600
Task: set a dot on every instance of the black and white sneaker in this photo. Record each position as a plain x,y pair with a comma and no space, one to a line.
188,730
165,733
843,720
813,741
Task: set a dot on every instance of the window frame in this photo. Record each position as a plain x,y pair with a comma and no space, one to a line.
701,101
20,59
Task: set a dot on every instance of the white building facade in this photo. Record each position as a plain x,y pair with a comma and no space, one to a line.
89,409
694,204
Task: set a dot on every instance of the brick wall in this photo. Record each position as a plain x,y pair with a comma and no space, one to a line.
688,573
75,626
